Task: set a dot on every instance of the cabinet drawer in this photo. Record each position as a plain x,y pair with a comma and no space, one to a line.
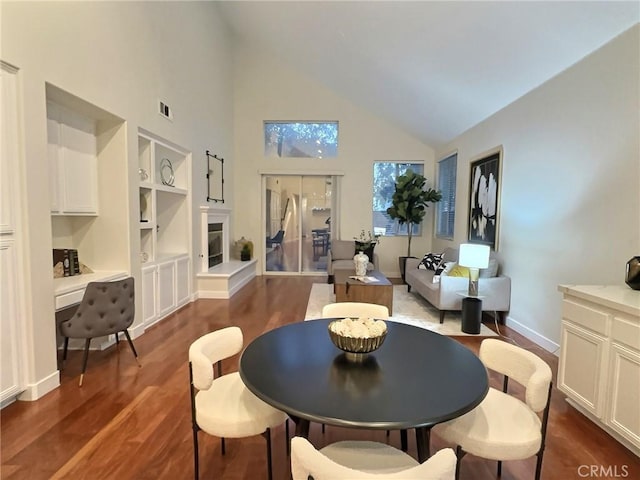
595,320
68,299
626,331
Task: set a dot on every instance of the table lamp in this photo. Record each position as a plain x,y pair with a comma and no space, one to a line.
474,257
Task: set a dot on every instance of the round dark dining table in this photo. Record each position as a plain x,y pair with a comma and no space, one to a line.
416,379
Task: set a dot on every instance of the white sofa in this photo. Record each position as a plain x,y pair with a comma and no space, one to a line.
447,294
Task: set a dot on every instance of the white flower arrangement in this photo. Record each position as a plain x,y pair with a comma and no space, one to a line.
362,327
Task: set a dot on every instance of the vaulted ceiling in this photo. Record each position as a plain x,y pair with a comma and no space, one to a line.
434,69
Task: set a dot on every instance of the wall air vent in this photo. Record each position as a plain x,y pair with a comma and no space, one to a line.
165,110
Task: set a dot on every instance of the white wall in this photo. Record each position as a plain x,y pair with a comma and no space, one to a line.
266,89
122,57
570,209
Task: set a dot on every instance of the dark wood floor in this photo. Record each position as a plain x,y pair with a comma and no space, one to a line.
134,423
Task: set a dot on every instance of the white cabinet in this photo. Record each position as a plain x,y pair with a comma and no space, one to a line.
73,161
149,298
183,281
599,366
166,286
13,313
164,215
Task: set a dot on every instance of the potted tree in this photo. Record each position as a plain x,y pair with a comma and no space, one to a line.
409,205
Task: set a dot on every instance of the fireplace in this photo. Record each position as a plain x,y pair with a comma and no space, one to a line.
214,254
215,244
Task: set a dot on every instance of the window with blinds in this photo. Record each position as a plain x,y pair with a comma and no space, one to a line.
446,208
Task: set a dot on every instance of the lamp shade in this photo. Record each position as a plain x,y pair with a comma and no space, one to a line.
473,255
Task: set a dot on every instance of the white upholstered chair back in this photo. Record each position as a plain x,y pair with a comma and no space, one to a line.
354,310
211,348
520,365
307,462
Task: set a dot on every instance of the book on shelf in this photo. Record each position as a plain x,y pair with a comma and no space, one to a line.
69,259
364,278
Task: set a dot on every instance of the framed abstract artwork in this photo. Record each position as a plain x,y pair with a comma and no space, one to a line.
484,198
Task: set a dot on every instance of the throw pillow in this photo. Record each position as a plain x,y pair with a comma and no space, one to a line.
459,271
448,266
368,251
431,261
491,271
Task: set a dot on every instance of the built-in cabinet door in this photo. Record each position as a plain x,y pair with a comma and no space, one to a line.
183,291
166,288
149,300
580,372
623,414
72,150
12,285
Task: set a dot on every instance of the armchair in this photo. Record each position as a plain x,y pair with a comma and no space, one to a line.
340,257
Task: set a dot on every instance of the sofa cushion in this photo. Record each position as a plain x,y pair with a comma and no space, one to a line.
431,261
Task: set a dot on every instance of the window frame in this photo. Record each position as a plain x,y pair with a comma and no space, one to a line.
396,229
447,185
274,149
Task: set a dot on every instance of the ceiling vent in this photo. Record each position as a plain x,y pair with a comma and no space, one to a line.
165,110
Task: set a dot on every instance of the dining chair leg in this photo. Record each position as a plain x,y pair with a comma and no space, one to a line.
499,468
87,342
133,349
539,466
64,352
267,435
117,338
222,448
286,437
459,454
196,463
404,444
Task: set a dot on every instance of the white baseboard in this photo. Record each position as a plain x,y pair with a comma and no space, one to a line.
37,390
532,335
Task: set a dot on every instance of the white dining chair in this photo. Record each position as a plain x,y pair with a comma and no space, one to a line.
355,460
223,406
504,427
355,309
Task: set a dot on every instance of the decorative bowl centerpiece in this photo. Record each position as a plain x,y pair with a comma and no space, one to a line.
357,336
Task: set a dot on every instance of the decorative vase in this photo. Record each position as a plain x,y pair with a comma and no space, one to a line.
361,261
632,277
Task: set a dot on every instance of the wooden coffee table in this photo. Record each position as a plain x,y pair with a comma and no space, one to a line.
351,290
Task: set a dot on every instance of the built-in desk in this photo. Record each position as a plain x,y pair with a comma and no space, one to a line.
68,291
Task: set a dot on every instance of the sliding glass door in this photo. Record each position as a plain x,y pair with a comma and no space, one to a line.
297,212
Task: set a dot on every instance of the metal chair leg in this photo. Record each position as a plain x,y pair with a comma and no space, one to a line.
539,465
286,437
87,342
133,349
196,463
459,454
267,435
64,352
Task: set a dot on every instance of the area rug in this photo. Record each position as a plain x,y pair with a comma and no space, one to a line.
409,308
